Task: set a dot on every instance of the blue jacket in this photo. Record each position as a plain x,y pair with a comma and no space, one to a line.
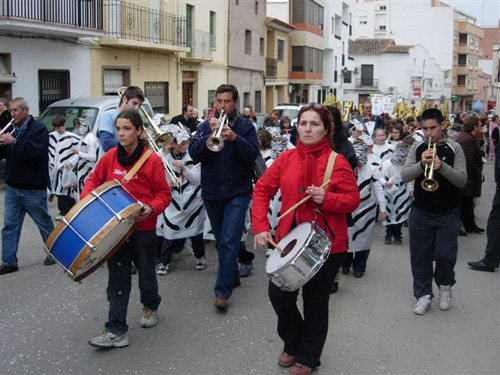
227,173
27,164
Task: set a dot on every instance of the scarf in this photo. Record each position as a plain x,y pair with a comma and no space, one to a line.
307,175
126,160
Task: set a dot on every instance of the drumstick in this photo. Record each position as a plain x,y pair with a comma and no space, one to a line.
302,201
274,244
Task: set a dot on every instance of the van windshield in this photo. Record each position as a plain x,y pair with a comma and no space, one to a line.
70,113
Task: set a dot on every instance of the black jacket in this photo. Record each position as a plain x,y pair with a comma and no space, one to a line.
27,164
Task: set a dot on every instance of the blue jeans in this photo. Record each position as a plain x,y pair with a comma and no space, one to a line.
17,203
141,248
228,221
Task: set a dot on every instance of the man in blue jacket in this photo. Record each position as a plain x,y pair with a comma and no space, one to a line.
27,176
226,185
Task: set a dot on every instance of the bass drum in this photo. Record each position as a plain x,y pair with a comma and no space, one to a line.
305,250
93,230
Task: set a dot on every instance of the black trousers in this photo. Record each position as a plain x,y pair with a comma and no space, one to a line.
433,238
165,248
357,260
305,336
245,256
394,230
492,256
64,204
467,213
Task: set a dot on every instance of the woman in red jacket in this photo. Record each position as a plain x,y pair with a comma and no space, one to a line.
150,187
299,172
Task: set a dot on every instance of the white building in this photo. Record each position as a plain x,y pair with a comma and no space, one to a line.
41,56
382,67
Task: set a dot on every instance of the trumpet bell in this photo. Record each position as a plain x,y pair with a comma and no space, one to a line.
215,144
430,184
163,138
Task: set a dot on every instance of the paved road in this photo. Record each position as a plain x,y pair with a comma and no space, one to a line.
46,319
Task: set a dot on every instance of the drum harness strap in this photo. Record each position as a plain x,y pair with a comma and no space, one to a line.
326,177
137,166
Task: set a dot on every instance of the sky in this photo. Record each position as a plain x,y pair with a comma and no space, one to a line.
487,17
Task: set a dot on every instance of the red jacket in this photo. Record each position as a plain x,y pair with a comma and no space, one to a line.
342,197
148,186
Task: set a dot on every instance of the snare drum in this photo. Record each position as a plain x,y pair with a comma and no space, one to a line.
305,249
93,230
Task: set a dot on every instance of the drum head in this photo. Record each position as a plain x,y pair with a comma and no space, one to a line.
291,245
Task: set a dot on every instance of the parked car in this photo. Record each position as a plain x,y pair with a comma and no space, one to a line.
288,109
91,107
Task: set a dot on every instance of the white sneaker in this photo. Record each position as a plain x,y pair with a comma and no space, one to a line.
444,297
163,269
201,263
149,318
269,252
422,305
59,217
109,340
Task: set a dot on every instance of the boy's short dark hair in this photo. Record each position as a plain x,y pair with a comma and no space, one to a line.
185,108
132,92
228,88
58,121
433,114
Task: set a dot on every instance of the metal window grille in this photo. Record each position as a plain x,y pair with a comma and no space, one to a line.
53,86
157,94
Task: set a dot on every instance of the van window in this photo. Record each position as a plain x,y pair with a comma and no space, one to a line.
70,113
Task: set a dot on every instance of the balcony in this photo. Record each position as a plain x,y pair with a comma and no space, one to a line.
68,18
367,83
133,26
200,43
271,67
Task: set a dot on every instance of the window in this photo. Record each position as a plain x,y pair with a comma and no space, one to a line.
53,86
281,50
460,80
383,7
333,25
258,102
248,42
246,99
212,30
114,79
363,21
462,60
338,26
211,97
237,2
462,39
307,11
307,59
262,46
381,27
348,77
256,7
157,94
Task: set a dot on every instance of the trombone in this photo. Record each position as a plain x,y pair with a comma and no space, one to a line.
156,141
429,183
216,143
4,130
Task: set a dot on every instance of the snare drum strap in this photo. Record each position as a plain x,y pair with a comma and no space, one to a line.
327,176
137,166
329,167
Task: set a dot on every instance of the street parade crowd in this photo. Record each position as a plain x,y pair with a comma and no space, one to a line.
318,186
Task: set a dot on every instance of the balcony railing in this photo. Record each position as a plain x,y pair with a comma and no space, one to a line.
79,13
200,43
271,67
134,22
367,82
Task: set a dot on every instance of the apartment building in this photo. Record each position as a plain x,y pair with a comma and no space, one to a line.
450,36
246,50
44,50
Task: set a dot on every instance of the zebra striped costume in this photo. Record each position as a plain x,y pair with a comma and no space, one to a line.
60,152
185,215
84,162
398,201
383,152
370,191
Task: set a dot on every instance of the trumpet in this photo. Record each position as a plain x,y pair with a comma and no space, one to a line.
4,130
216,143
156,140
429,183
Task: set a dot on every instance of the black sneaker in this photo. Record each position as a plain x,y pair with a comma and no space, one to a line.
49,261
8,269
335,288
388,240
398,241
345,270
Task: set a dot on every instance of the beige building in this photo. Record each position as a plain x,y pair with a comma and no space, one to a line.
277,62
